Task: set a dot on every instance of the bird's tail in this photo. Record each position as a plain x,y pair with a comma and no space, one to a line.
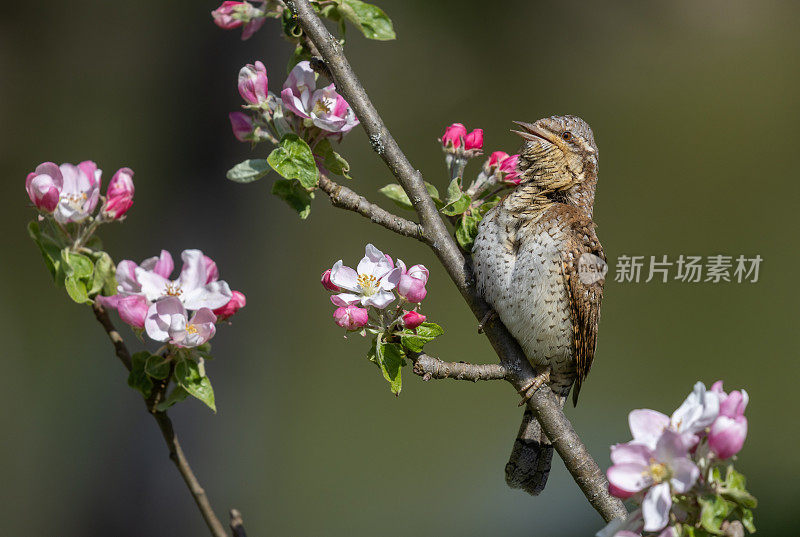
529,464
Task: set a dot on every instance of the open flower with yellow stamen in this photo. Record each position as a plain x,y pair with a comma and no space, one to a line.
323,107
370,285
657,472
194,288
168,321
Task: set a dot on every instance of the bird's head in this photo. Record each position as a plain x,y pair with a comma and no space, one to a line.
558,153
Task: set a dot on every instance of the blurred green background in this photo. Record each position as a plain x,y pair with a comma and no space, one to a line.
694,108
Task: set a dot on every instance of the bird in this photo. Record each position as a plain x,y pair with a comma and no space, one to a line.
540,266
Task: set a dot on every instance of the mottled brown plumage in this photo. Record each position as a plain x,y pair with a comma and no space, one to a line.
526,259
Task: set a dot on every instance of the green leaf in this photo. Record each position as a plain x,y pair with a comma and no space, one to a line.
747,520
735,489
177,395
189,376
298,198
370,19
391,359
76,289
434,193
77,265
414,340
50,249
713,511
396,193
157,367
457,201
333,161
248,171
137,378
467,230
104,277
293,159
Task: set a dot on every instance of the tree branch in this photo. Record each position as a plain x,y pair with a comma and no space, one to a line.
165,425
543,403
345,198
429,367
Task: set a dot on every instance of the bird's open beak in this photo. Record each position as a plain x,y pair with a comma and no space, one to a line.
531,132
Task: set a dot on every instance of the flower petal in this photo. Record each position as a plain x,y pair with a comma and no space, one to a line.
629,477
345,299
193,272
211,295
631,452
655,507
380,300
151,284
344,277
684,474
647,425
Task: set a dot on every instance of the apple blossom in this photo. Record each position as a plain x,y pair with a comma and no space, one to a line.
119,195
411,286
79,193
192,288
132,309
453,136
326,282
44,186
237,302
474,140
370,285
351,317
232,15
697,412
728,432
657,472
412,319
244,129
253,83
324,107
167,321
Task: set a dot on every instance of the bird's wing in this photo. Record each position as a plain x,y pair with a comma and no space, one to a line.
584,289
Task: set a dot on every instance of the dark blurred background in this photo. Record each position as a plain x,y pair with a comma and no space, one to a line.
694,107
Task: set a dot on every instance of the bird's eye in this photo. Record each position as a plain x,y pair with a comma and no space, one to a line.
566,135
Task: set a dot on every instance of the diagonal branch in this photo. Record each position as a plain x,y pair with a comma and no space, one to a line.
165,425
429,367
543,403
345,198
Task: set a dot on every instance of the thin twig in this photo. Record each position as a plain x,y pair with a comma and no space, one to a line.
165,425
344,198
429,367
543,403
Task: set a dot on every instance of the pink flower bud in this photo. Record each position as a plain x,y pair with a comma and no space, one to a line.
411,289
243,126
224,15
351,317
327,283
253,83
474,140
726,436
508,170
412,319
237,302
496,158
119,196
133,310
454,135
44,186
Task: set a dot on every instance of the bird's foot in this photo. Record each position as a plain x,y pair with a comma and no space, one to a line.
490,315
542,377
